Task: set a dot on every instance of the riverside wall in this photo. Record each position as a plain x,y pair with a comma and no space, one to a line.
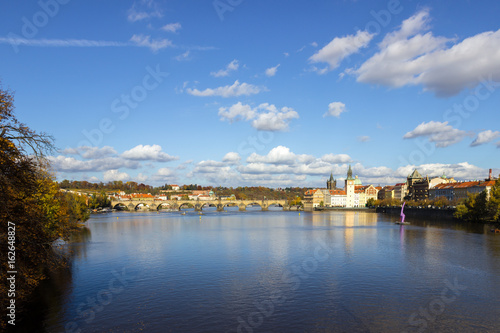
446,213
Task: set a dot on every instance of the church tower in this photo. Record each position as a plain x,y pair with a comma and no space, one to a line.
331,184
349,188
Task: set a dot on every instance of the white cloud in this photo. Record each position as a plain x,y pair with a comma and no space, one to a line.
373,172
275,120
172,27
184,165
148,153
236,89
461,171
263,168
272,71
340,48
274,180
153,44
265,117
164,175
279,155
442,134
90,152
485,137
335,109
232,158
141,178
412,56
112,175
183,56
231,67
237,112
135,41
144,9
336,158
60,42
71,164
282,167
219,173
364,138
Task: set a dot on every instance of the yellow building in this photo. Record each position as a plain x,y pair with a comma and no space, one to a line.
313,198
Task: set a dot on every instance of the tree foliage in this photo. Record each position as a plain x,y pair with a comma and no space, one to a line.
480,207
31,201
99,201
493,206
370,202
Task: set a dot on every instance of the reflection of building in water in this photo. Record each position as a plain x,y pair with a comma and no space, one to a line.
349,229
355,222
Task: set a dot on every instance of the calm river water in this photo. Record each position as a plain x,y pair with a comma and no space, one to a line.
273,271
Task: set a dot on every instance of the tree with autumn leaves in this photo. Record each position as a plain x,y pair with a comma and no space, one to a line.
481,207
31,201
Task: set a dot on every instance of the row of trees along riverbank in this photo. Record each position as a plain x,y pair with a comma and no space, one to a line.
475,208
30,199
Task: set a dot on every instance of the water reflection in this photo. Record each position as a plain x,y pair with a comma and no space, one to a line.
223,270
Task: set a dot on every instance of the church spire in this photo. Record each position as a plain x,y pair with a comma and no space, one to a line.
349,173
331,184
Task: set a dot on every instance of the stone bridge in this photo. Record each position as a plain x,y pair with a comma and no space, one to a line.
199,204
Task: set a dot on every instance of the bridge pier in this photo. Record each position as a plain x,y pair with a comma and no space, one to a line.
198,205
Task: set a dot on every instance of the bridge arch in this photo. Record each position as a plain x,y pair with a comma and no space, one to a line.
120,206
165,205
188,205
199,205
141,205
276,204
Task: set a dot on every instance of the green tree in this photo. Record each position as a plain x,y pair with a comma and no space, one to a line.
99,200
370,202
30,201
295,202
493,206
474,208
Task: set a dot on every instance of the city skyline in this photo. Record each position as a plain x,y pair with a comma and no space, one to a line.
242,93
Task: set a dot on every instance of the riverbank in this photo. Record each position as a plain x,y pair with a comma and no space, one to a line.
344,209
434,213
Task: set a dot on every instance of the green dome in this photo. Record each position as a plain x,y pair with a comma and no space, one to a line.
357,181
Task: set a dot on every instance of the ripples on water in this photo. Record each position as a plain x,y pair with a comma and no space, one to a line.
274,272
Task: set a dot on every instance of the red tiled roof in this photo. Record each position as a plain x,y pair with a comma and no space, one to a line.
460,185
337,192
310,192
141,195
488,183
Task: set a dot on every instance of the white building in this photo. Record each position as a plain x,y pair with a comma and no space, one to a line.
338,198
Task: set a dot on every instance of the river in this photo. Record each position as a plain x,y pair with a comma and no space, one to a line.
273,271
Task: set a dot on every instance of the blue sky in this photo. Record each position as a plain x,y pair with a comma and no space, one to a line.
272,93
